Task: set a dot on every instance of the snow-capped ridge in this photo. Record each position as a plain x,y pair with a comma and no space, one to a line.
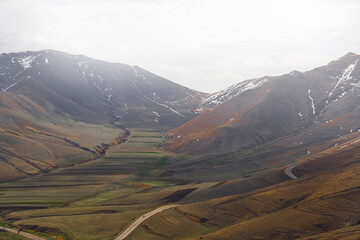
233,91
346,75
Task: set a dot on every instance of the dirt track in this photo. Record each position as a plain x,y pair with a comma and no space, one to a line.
21,233
288,171
141,219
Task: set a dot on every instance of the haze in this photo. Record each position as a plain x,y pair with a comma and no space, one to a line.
205,45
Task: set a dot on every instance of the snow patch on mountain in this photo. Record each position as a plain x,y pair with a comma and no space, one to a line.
26,61
233,91
12,85
356,141
346,75
160,104
134,70
312,101
156,114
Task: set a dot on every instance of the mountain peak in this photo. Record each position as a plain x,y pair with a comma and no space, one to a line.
349,54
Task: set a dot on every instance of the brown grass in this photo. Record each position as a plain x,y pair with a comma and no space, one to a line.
317,203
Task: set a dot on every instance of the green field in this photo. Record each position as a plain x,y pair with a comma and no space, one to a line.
112,190
128,181
10,236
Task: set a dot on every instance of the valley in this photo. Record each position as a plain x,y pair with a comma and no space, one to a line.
116,188
132,180
98,150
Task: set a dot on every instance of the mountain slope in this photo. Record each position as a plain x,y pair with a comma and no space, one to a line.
96,91
34,140
220,97
323,202
59,109
321,100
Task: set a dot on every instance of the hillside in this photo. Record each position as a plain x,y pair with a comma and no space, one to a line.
321,103
94,91
323,204
59,109
68,160
34,140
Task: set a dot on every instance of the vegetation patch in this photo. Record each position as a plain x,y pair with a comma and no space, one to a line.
162,161
137,152
178,195
219,184
11,236
140,185
146,136
142,142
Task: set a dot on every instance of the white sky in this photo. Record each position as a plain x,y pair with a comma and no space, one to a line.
207,45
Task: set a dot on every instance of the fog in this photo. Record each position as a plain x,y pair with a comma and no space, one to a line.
206,45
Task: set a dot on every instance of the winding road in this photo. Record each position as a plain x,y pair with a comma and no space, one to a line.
288,171
21,233
137,222
141,219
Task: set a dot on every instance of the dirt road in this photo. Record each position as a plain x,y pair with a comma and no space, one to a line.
288,171
21,233
141,219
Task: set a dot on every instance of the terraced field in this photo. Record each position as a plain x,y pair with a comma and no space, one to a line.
133,178
112,190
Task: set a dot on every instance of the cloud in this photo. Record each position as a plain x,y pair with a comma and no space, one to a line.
207,45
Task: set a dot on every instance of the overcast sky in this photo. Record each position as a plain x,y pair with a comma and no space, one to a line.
207,45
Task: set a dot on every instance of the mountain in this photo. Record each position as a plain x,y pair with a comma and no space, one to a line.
212,100
270,158
34,140
59,109
95,91
310,107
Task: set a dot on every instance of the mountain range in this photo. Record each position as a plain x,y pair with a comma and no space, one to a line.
86,141
297,109
311,106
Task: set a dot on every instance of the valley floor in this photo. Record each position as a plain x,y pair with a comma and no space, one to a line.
101,198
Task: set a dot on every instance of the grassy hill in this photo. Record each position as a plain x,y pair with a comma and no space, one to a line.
323,203
35,141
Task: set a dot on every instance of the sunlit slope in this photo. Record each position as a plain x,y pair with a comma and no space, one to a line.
131,179
347,233
320,202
